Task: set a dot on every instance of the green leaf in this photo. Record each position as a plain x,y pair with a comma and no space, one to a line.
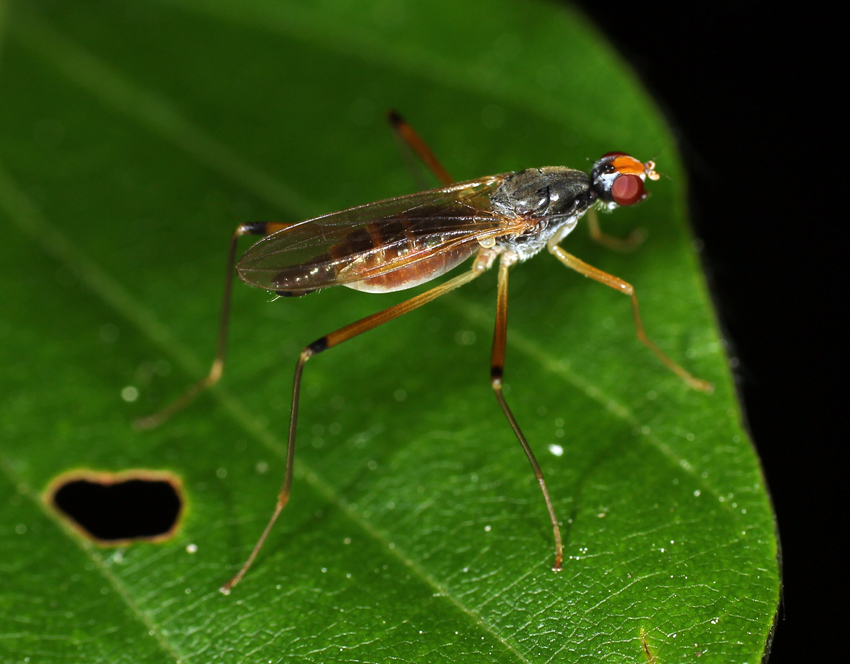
135,136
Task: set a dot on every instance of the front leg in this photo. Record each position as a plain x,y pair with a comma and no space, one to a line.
624,287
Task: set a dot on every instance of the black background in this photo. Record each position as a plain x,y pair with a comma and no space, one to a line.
744,88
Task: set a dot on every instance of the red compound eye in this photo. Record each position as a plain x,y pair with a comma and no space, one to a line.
627,189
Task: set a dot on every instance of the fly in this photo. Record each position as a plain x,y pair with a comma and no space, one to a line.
403,242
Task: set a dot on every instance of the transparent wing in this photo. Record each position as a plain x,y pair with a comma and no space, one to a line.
378,238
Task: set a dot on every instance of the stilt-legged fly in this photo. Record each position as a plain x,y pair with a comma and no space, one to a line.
403,242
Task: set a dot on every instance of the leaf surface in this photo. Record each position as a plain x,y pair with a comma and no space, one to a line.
135,136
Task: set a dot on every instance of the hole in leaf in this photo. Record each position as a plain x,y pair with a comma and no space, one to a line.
119,508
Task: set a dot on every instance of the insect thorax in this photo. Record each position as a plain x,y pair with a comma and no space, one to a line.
552,199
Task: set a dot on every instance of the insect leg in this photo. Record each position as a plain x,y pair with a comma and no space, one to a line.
407,136
154,420
624,287
633,241
497,365
482,262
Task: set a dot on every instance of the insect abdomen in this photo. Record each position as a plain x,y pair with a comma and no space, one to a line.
398,259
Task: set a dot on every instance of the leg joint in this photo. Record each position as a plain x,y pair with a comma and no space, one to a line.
318,346
496,373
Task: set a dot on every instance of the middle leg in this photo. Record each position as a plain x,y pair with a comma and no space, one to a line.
497,366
